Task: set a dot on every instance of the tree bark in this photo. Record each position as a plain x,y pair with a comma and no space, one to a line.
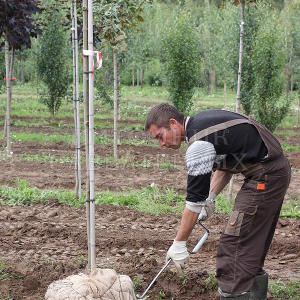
76,99
142,77
225,93
9,70
115,103
22,71
132,81
86,124
238,95
208,82
292,82
91,136
298,111
132,77
137,77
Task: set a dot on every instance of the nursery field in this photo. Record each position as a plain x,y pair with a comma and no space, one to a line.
139,201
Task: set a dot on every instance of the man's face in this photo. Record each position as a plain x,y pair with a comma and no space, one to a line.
167,137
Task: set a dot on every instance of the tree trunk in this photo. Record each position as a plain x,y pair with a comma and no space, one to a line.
137,77
225,93
142,77
132,81
238,94
132,78
91,136
292,82
86,124
74,94
213,81
208,82
22,71
115,103
76,100
298,111
9,70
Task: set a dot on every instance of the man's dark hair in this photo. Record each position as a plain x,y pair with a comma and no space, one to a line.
161,114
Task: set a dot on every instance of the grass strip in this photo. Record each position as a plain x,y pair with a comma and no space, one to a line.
69,139
151,199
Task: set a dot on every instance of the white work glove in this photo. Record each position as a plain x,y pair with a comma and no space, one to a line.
209,208
179,254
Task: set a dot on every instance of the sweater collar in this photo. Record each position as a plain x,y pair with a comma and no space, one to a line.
186,120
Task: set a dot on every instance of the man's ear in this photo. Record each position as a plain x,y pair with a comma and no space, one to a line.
173,122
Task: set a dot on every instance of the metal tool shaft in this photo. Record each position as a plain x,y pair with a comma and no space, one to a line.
195,250
154,279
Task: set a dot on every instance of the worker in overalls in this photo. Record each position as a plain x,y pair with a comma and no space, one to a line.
228,143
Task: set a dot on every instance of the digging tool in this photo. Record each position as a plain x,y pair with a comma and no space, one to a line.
195,250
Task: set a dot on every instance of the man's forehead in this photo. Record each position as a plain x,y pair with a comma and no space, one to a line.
154,130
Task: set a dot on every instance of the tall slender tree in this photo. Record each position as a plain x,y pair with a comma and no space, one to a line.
17,30
76,98
113,19
86,121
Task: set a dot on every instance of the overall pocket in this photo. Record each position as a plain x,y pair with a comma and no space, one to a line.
241,219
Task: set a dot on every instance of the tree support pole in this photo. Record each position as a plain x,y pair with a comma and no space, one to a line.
86,125
91,136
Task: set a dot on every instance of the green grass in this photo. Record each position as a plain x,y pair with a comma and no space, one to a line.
285,291
290,148
152,199
3,273
287,133
69,139
291,208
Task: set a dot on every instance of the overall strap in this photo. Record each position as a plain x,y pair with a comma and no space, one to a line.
207,131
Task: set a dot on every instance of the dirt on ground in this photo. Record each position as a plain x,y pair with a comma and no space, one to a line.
43,243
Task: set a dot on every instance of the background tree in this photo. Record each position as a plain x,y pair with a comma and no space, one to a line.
17,30
291,24
271,104
227,45
52,63
181,60
113,19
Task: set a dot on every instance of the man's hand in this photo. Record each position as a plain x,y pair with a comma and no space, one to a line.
209,207
179,254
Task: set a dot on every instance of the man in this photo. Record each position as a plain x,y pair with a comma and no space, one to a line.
228,143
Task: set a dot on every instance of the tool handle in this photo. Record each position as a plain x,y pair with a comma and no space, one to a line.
200,243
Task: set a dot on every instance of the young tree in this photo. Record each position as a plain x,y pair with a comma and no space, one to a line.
238,93
17,30
113,19
208,30
181,60
76,98
227,45
52,63
291,25
271,104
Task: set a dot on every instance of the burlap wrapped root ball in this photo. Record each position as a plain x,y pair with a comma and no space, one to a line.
104,284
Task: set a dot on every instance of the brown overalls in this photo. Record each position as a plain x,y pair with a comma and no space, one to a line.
248,234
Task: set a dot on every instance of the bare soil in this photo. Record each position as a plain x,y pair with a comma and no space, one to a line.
43,243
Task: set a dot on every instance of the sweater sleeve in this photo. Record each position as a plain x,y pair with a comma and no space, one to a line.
200,157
